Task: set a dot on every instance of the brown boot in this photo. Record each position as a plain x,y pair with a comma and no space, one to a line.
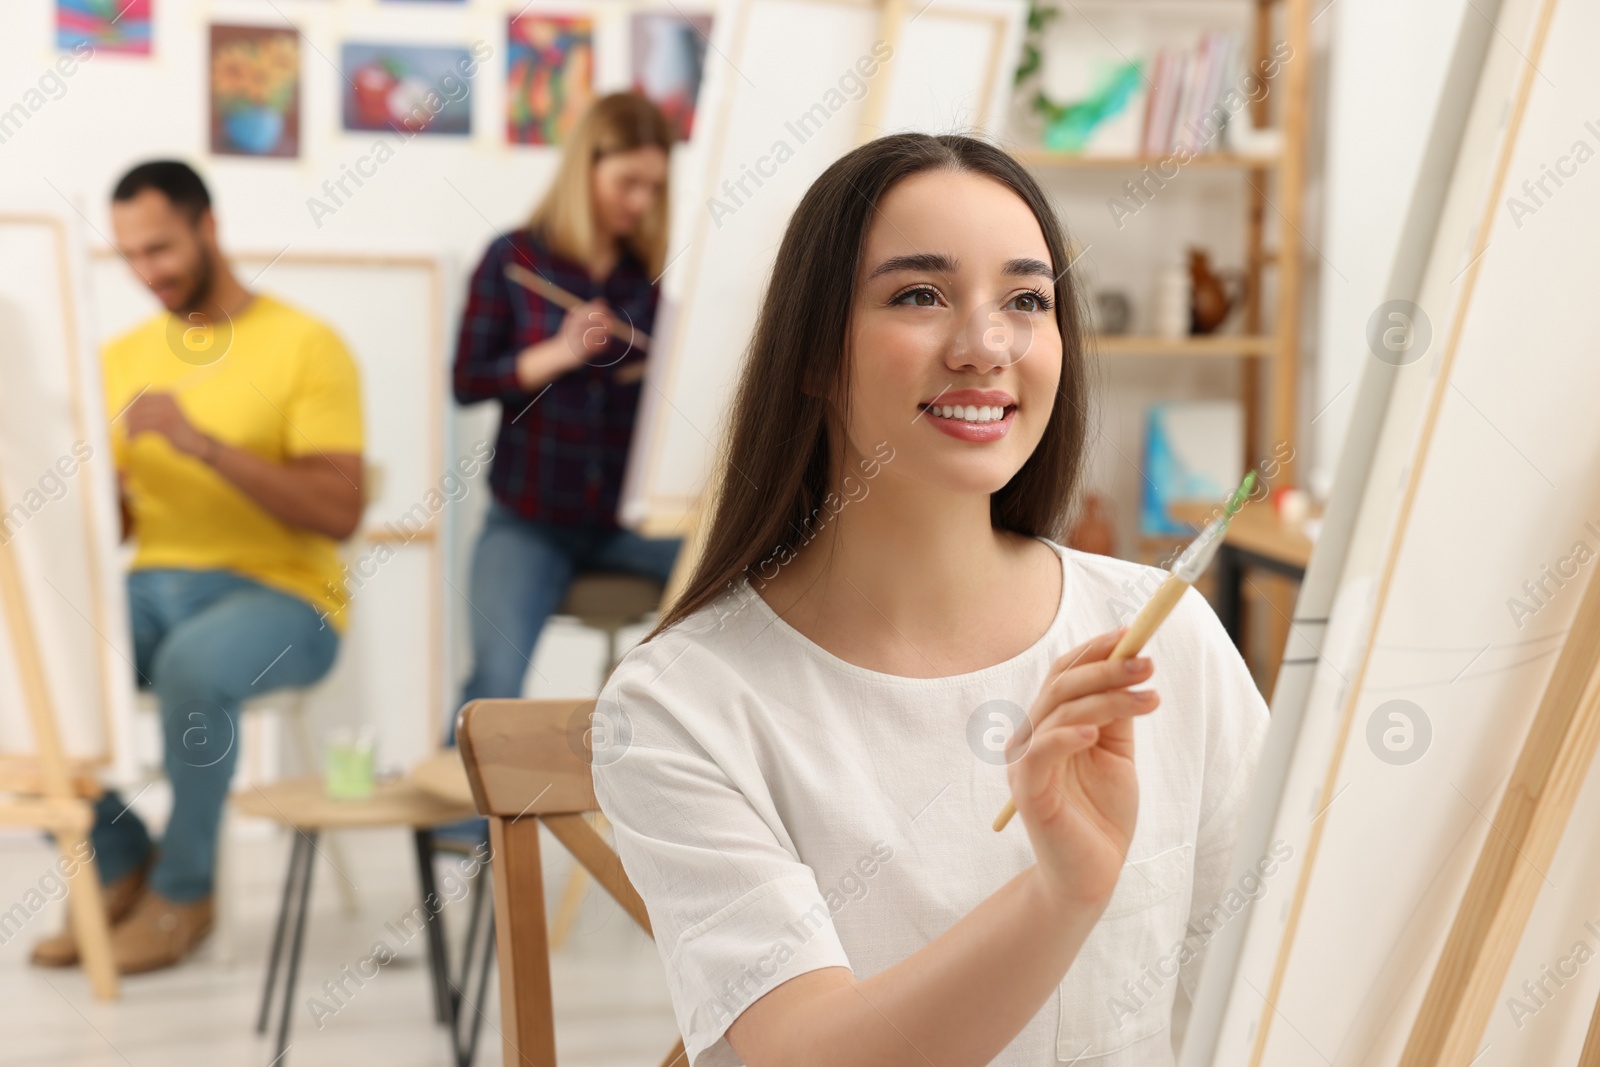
159,933
117,897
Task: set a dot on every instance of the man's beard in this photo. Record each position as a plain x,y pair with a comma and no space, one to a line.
199,298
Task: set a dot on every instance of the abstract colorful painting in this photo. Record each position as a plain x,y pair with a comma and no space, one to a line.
549,76
105,25
255,91
407,88
668,59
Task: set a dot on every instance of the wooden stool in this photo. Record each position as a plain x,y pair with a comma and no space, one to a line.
303,806
608,601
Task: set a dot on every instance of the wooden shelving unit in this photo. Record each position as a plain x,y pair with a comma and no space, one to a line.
1208,346
1275,185
1040,157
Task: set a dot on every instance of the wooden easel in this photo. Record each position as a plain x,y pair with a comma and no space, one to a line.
1533,812
52,796
42,789
1556,755
1590,1057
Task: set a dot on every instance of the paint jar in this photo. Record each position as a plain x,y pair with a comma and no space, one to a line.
349,774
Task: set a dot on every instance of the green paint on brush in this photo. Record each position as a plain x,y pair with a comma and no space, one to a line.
1197,557
1240,495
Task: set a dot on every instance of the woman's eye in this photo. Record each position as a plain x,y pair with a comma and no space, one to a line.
922,298
1030,301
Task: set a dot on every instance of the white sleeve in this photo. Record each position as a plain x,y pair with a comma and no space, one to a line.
734,911
1236,719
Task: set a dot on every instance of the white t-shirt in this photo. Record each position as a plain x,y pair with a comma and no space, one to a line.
780,810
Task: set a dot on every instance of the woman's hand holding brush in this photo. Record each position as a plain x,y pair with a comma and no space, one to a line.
1074,785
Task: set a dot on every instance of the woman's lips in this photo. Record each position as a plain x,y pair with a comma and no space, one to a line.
963,430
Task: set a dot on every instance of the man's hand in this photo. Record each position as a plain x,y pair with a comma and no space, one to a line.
160,413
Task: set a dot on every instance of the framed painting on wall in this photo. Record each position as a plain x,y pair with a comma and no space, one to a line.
106,25
255,91
549,76
418,89
668,59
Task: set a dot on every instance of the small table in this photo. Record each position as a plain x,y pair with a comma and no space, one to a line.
302,805
444,776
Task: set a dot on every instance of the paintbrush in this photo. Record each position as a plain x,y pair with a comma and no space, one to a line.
1185,571
561,298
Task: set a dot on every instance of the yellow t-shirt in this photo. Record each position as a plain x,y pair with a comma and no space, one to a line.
284,386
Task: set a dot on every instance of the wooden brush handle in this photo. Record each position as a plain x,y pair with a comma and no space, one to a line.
1152,615
561,298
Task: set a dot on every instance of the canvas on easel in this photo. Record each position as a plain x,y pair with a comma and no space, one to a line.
66,658
833,74
1436,793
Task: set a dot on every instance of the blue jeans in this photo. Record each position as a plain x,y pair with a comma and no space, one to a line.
520,573
203,640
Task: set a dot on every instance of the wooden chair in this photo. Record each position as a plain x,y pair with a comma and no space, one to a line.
524,771
606,601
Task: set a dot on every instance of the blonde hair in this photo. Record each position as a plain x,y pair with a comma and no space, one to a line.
564,219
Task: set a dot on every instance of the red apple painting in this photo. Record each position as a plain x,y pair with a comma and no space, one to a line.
408,89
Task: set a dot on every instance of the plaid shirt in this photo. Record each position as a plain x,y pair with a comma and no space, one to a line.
560,451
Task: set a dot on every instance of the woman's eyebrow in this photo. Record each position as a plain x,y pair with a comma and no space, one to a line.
1027,266
928,262
940,263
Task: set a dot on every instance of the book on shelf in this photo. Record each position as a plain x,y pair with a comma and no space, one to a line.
1106,101
1187,108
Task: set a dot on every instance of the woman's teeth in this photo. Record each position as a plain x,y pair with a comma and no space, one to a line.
968,413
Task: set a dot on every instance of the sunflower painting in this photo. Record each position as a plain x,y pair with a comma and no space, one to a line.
549,76
255,91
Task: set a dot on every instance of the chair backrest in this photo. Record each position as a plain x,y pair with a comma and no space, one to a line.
528,763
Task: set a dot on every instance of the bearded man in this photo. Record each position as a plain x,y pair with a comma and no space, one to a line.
237,432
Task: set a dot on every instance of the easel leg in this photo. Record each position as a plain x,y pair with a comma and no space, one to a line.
87,904
1590,1056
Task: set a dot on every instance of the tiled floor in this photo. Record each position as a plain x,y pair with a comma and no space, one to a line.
611,1002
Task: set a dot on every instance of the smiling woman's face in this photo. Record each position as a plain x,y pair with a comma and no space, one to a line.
954,313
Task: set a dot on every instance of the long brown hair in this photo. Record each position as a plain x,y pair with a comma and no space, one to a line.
774,465
564,219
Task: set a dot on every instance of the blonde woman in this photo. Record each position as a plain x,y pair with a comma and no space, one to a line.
567,388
